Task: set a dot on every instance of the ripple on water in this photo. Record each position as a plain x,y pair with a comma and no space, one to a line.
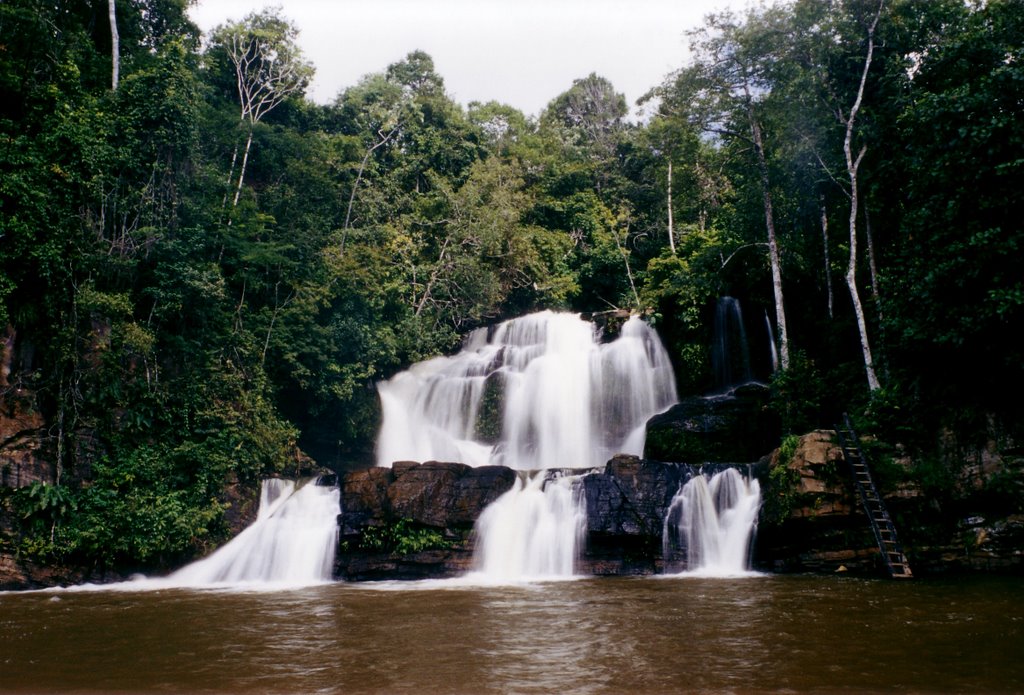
795,634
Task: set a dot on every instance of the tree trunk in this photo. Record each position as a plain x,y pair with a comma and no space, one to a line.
828,263
359,177
773,245
241,173
629,271
852,165
671,232
231,177
115,45
872,265
851,281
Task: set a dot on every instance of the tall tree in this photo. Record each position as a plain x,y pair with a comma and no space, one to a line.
852,166
722,93
269,68
590,112
115,45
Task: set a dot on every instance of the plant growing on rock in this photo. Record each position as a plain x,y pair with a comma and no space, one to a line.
402,537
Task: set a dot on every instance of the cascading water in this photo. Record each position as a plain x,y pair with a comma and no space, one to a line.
533,531
291,542
773,351
535,393
713,519
730,351
532,393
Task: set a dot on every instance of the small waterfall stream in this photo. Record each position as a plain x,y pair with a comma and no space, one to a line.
730,349
291,542
713,520
536,393
533,531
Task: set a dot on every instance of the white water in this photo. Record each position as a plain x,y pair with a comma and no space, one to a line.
730,350
771,343
292,541
534,531
714,519
535,393
532,393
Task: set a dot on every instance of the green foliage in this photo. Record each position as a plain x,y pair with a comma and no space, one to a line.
45,503
402,537
1004,491
799,395
139,511
787,449
782,484
677,289
176,341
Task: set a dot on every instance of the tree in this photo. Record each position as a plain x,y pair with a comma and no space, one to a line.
269,68
954,281
588,118
375,109
852,166
721,94
115,45
502,125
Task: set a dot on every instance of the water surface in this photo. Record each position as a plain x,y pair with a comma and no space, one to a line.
754,634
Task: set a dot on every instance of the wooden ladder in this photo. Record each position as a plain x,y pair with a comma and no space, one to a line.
881,522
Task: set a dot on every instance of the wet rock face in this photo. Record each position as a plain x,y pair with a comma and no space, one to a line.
631,496
810,517
813,520
626,505
25,455
429,507
436,494
733,427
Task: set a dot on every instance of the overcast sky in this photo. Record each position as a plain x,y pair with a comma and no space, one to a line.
520,52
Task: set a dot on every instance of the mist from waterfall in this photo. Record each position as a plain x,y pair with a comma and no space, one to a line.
712,520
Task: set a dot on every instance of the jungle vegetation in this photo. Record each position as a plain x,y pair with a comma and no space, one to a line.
202,270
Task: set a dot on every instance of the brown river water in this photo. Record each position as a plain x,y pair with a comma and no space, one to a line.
794,634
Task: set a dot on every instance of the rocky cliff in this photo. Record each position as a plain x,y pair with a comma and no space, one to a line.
416,520
812,521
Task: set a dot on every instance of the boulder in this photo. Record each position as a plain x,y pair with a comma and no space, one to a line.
626,506
364,498
434,504
631,496
737,426
811,519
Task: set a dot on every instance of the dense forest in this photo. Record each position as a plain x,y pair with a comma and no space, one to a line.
203,272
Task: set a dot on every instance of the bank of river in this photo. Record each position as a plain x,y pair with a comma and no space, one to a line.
613,635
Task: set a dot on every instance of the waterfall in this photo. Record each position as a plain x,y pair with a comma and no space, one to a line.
533,531
291,542
771,343
730,351
537,393
714,520
533,393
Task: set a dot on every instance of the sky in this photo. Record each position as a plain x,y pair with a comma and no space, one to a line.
519,52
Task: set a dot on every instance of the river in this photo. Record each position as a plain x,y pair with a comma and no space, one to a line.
597,635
